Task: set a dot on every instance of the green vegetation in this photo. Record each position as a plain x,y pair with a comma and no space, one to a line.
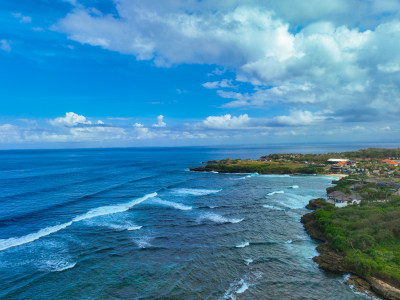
237,166
369,235
374,153
370,190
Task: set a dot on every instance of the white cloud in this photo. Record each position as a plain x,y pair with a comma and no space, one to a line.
5,45
160,122
298,118
225,83
73,119
9,133
170,35
22,18
227,122
328,63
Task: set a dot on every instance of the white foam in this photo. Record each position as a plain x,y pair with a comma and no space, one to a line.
294,201
243,288
128,226
294,187
274,176
252,175
69,266
234,221
242,245
143,243
96,212
276,192
218,218
272,207
288,242
175,205
345,278
195,192
214,172
112,209
17,241
236,288
248,261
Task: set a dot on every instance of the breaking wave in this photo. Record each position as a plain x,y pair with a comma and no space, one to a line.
242,245
96,212
175,205
66,267
272,207
276,192
218,218
195,192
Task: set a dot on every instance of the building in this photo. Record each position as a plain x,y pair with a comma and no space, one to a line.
341,199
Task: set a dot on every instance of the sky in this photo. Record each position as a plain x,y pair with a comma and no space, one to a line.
131,73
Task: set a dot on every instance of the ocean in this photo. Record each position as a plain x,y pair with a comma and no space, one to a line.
137,224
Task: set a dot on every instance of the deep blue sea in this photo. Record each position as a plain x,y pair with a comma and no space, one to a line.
137,224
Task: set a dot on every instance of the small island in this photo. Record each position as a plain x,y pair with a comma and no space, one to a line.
359,221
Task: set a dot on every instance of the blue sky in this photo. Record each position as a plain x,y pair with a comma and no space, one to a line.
104,73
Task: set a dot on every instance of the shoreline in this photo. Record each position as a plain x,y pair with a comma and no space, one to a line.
332,261
340,176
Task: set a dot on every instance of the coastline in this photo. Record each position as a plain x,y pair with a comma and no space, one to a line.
340,176
332,261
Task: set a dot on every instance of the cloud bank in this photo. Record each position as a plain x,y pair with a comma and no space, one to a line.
314,55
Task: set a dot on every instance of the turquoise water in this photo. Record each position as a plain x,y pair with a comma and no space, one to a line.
136,224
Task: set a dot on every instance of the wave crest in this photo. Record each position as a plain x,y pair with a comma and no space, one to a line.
175,205
195,192
218,218
96,212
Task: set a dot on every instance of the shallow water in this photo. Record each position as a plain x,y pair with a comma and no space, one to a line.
135,223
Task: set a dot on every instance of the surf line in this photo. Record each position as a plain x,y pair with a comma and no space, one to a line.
96,212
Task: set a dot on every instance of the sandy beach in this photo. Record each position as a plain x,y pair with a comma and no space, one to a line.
337,175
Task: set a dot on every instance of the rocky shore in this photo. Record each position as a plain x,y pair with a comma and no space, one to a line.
333,261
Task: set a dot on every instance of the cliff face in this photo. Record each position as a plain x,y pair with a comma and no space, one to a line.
310,225
333,261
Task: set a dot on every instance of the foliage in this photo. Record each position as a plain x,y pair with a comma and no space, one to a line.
369,235
263,167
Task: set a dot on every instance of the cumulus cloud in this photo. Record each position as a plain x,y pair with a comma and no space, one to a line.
227,122
342,55
160,122
73,119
